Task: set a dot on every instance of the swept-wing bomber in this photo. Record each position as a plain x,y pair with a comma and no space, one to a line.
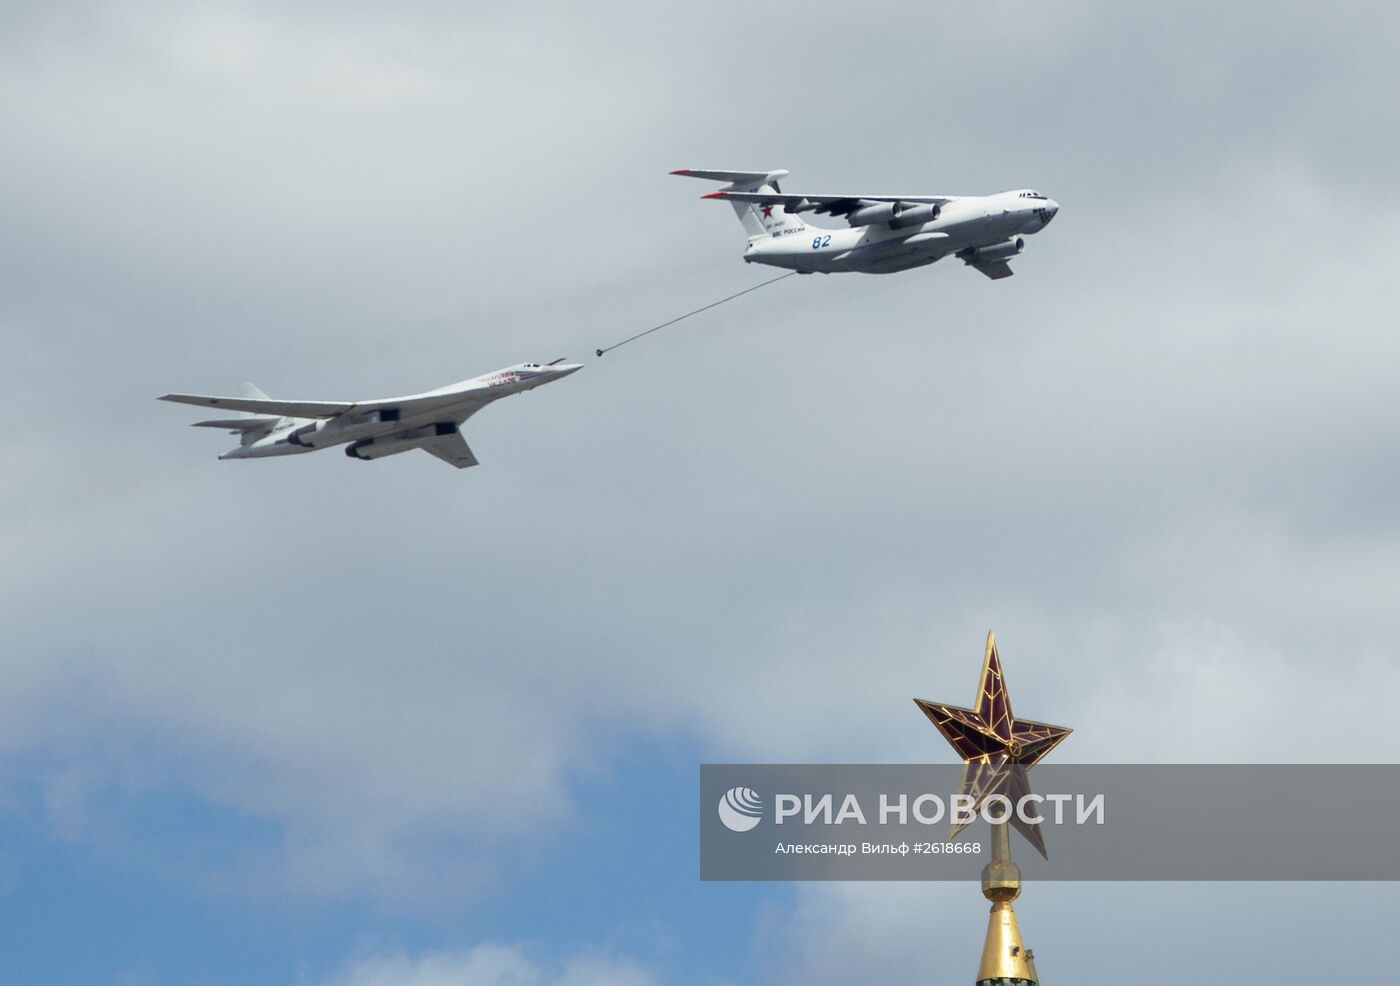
371,429
887,233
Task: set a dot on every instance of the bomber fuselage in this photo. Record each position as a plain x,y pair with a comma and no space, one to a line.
294,435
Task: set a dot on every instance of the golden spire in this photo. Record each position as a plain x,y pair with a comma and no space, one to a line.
997,749
1005,959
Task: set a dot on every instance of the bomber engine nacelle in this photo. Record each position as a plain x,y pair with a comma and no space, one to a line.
915,216
370,448
379,448
876,212
1000,251
305,435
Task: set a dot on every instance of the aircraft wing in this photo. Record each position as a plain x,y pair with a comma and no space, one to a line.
834,205
451,449
416,404
995,269
260,405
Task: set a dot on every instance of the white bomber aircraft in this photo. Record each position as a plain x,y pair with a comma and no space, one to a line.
888,232
371,429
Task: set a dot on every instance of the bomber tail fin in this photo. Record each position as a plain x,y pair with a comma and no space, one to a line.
760,221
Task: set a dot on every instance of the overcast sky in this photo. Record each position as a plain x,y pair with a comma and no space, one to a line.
315,721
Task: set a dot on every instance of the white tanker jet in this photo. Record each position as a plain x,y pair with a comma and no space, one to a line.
371,429
888,232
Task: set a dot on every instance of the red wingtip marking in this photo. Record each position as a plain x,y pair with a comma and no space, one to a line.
713,195
681,171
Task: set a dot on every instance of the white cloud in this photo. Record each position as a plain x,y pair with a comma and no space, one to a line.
490,965
892,932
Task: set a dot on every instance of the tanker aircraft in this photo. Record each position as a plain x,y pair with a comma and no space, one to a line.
371,429
887,233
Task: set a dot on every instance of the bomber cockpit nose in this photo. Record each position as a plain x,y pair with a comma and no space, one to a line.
558,368
544,372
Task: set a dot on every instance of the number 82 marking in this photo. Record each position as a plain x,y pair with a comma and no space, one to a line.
821,241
